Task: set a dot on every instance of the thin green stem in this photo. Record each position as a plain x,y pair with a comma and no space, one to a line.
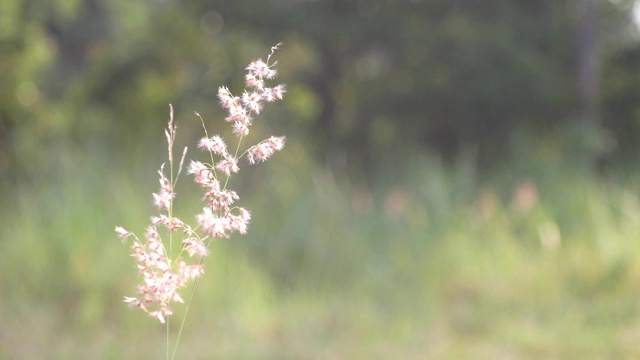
213,163
171,135
235,156
238,147
186,312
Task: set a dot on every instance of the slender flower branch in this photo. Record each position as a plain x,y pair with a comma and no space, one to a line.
164,274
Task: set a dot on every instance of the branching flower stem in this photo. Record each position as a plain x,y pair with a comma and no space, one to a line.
164,273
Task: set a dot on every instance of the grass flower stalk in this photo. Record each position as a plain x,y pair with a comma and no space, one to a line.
165,272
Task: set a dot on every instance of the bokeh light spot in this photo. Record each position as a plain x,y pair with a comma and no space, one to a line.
27,94
211,22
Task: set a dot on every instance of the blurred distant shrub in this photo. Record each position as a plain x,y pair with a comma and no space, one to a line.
370,78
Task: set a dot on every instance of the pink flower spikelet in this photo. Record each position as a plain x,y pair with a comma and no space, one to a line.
266,148
163,198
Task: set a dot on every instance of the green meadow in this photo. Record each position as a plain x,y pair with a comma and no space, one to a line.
427,260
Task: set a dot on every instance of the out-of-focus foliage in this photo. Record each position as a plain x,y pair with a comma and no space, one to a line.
621,105
369,78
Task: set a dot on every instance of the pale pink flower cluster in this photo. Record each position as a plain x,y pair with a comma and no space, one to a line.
163,198
240,108
160,280
219,219
162,274
266,148
161,277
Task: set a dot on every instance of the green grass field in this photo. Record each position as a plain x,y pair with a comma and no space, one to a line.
425,262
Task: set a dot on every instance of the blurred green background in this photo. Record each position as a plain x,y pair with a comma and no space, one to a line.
460,180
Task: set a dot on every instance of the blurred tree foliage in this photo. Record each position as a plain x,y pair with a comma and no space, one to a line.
369,79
